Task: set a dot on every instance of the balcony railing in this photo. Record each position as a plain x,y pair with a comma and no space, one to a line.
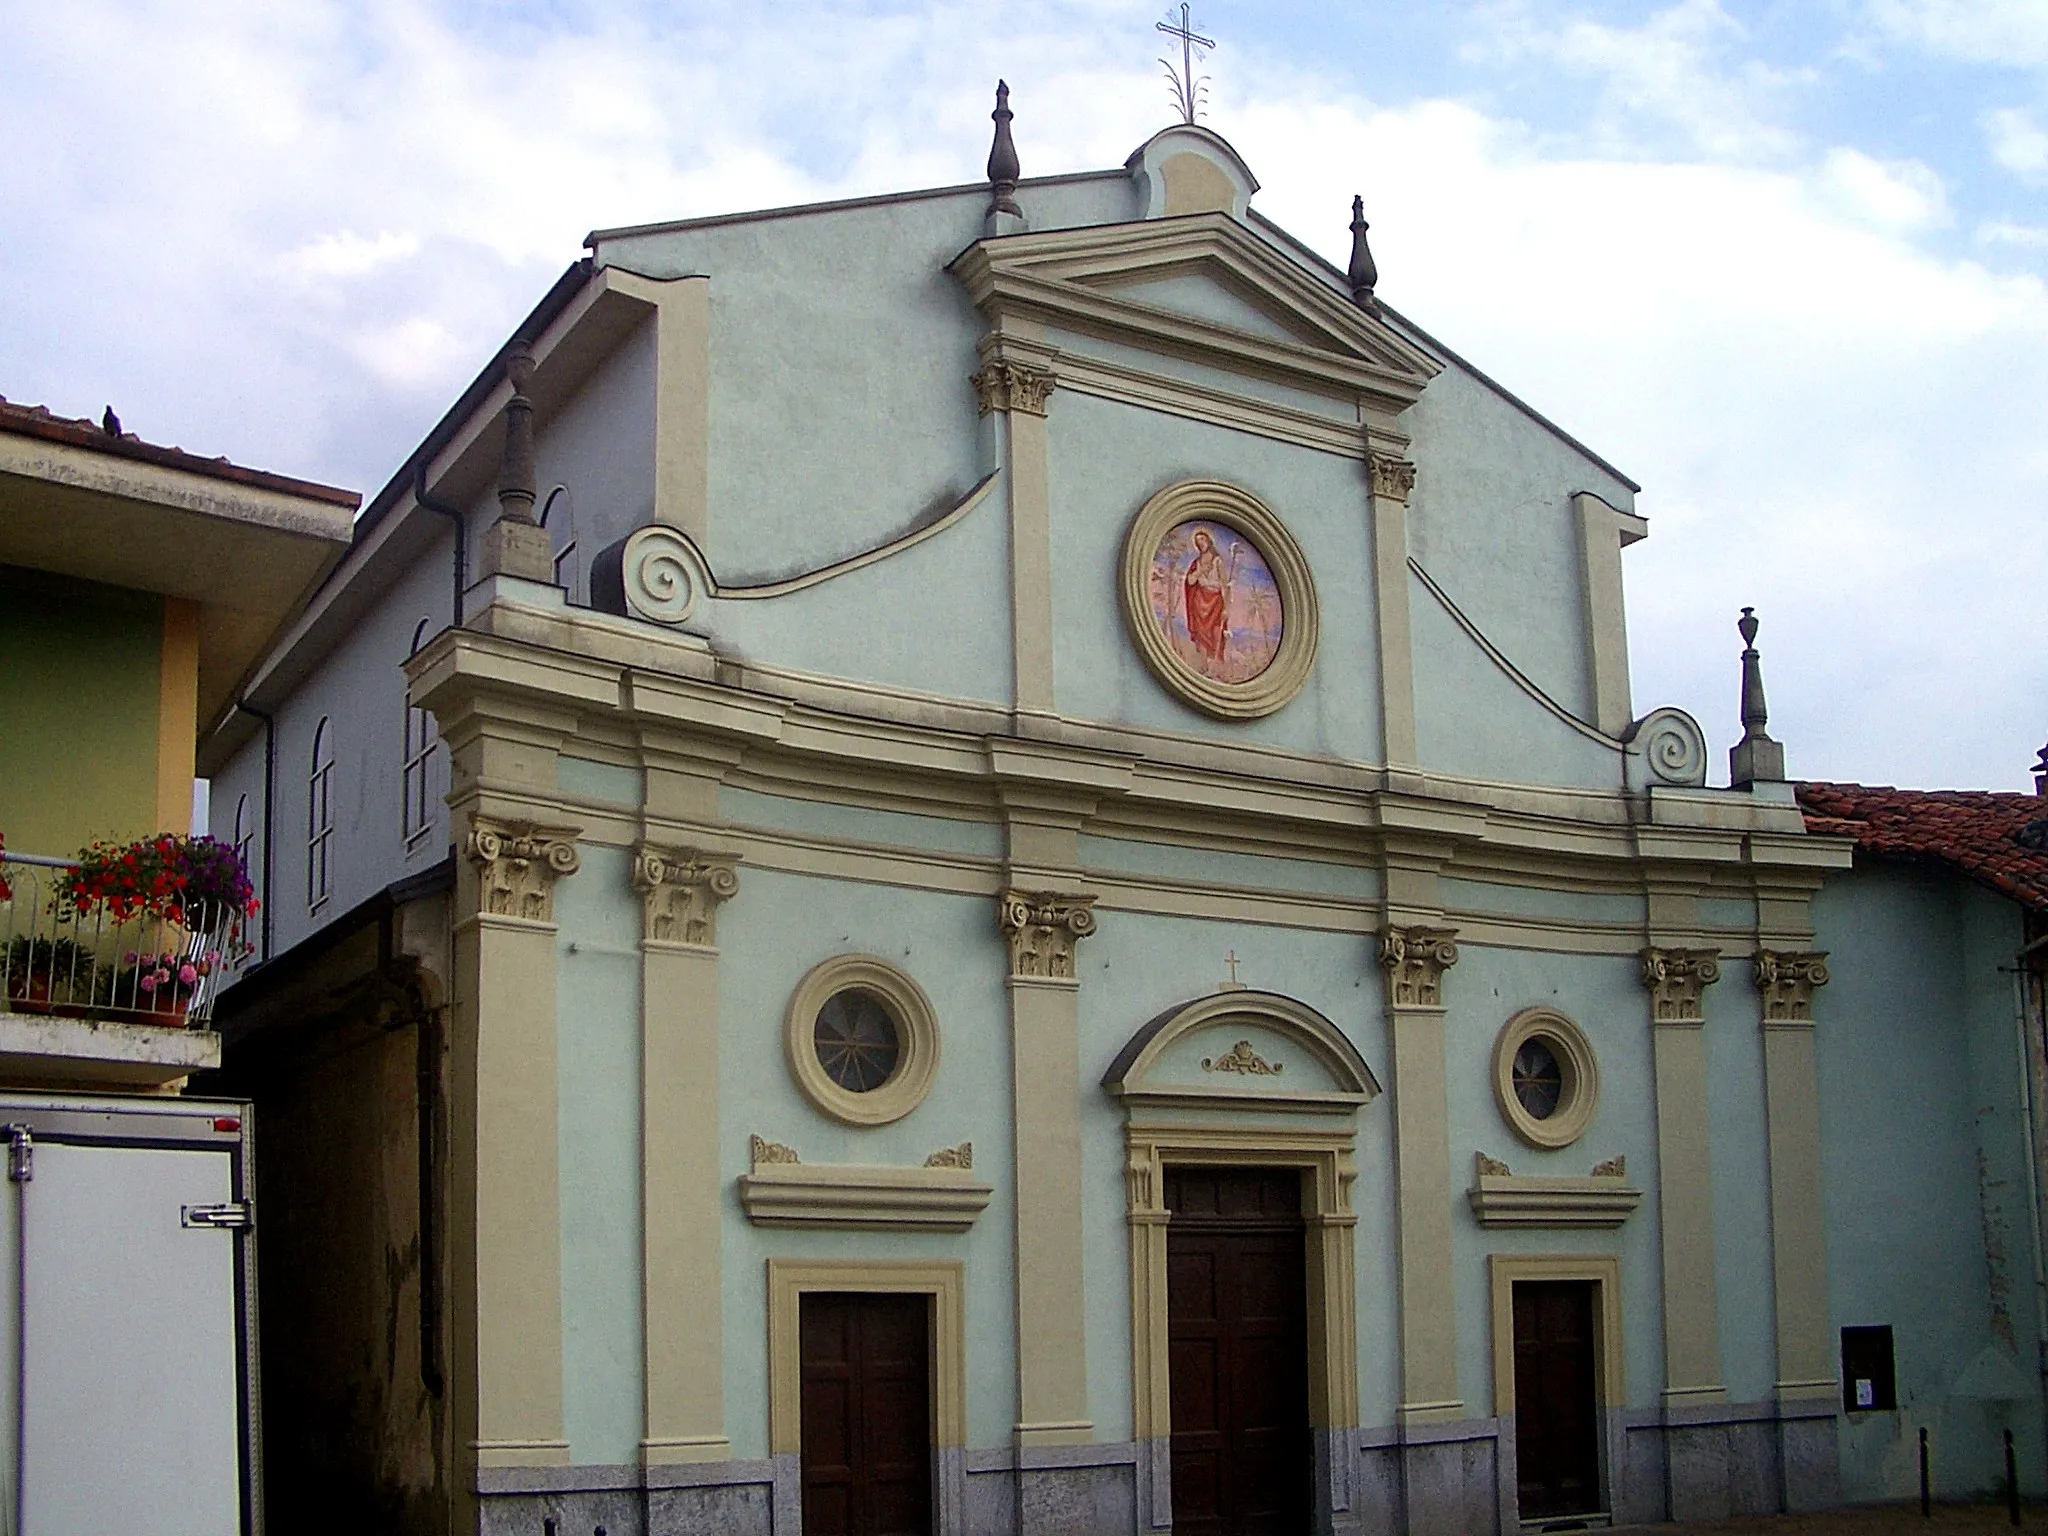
146,970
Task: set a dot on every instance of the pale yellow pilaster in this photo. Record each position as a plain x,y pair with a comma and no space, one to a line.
1043,929
507,1213
1676,974
1413,960
682,395
1014,383
681,891
1785,984
1604,531
1392,480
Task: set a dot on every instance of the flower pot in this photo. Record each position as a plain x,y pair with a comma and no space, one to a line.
28,994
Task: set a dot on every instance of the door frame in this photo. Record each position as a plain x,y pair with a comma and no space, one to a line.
1610,1380
790,1280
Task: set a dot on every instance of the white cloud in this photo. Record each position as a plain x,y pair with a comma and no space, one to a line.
2010,32
2026,236
346,254
2018,142
1902,195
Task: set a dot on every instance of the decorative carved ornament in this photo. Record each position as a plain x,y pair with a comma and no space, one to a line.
1785,978
1484,1167
1043,927
1004,386
517,866
961,1156
761,1150
1678,979
680,892
1415,960
1613,1168
1391,477
1242,1058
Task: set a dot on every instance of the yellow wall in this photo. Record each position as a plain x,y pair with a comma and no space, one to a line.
87,673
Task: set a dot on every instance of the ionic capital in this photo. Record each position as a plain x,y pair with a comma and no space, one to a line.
1785,979
1043,928
1415,960
1678,980
517,866
681,890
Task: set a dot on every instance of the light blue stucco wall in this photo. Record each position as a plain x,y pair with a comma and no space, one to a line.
1924,1154
1603,995
770,934
1105,460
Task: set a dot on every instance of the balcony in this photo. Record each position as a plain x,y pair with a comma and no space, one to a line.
91,1001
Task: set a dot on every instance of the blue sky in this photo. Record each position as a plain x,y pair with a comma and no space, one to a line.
1786,264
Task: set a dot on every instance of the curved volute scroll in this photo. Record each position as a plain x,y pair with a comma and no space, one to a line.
1255,1050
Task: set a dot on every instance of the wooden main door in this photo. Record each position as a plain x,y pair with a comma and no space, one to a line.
1237,1315
1557,1418
867,1440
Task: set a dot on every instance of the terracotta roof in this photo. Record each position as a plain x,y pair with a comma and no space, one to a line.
1998,840
36,421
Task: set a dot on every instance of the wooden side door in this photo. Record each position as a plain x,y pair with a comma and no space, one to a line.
1237,1314
867,1444
1557,1417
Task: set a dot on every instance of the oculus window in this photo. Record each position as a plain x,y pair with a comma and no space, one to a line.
862,1039
1545,1078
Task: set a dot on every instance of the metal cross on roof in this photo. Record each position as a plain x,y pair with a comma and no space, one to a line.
1189,89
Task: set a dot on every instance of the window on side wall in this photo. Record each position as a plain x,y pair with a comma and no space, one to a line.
416,815
558,516
245,846
320,818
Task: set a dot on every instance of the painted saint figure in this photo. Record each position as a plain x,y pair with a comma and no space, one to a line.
1207,598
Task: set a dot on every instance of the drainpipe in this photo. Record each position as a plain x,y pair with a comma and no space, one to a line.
269,807
454,515
2032,1047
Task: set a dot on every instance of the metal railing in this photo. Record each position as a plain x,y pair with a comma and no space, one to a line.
58,961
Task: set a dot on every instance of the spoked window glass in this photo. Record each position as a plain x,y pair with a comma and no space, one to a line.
320,817
416,816
857,1040
1539,1079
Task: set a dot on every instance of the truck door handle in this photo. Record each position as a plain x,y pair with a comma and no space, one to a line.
233,1215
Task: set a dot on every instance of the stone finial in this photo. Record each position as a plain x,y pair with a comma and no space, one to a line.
1003,167
1363,273
516,545
1756,758
2041,772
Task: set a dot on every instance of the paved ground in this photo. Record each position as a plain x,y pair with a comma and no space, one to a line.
1888,1520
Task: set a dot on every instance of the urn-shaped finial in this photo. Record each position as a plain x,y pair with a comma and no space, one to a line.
1756,758
1363,274
1003,167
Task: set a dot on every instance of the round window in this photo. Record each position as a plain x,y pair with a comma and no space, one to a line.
1545,1079
863,1040
858,1042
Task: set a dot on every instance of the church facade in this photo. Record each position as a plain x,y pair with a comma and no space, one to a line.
1060,920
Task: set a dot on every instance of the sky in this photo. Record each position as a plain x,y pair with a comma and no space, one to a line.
1785,264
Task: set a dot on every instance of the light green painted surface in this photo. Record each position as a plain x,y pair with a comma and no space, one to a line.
607,783
80,683
598,1027
1105,461
1923,1156
1228,871
857,824
1478,896
770,934
1740,1131
1728,912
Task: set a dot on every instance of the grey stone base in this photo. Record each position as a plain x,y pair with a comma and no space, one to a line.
1432,1480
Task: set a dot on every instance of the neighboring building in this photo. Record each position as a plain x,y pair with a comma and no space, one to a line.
1060,920
138,584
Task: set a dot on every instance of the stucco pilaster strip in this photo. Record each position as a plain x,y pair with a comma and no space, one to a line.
1787,982
1396,644
1600,540
1692,1328
1024,439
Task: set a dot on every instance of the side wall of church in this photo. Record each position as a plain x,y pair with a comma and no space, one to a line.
1930,1229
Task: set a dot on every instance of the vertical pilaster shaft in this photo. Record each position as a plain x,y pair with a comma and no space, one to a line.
1414,960
1392,480
1043,929
1014,384
508,1255
1786,980
681,1186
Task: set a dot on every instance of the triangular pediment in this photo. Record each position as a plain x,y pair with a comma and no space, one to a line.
1205,287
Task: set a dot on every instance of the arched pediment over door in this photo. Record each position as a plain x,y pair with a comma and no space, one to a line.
1248,1080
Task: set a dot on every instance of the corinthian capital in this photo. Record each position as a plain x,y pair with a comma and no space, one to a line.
1043,928
517,866
1006,386
1785,979
680,892
1415,960
1391,477
1678,980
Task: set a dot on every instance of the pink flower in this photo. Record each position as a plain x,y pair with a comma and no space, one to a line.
188,974
147,982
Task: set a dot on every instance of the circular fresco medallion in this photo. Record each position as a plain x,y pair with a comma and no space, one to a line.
1215,600
1219,599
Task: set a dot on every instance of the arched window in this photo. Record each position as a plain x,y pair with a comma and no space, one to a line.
558,516
320,817
416,815
245,847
